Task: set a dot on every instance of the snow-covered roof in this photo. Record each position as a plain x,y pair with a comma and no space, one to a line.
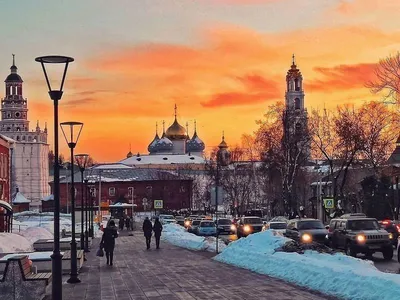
8,139
163,159
111,166
20,199
6,205
48,198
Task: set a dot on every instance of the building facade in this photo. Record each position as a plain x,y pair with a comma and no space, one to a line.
30,166
117,183
5,184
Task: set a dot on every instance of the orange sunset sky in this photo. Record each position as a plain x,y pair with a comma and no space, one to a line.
221,61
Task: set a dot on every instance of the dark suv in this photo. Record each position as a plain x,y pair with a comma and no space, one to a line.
306,231
359,234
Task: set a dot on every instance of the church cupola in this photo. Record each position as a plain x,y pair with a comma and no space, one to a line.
152,146
176,131
130,154
195,144
164,145
13,82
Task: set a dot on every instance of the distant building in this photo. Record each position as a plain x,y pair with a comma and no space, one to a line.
124,184
5,183
174,149
30,165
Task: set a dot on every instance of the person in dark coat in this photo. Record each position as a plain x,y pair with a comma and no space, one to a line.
121,223
128,223
157,228
147,230
108,241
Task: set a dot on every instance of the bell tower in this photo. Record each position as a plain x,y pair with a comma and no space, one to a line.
294,88
14,108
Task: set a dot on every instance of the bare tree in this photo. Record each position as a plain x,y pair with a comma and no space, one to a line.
387,79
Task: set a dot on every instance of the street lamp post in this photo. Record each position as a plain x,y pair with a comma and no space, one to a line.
72,139
81,160
56,95
223,157
86,216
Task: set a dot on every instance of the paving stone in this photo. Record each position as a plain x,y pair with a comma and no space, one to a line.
172,273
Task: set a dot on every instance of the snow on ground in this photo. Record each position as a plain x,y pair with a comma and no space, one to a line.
32,255
11,243
178,236
32,234
29,219
337,274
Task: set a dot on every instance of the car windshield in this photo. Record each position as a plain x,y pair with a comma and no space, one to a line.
207,224
363,225
252,221
195,222
224,222
310,225
277,226
179,218
167,217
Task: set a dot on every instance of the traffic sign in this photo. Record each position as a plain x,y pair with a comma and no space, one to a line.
329,203
158,204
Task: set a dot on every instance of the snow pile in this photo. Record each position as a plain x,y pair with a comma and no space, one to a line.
12,243
29,219
337,274
34,234
178,236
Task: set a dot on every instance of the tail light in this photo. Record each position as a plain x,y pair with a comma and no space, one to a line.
330,229
398,228
386,222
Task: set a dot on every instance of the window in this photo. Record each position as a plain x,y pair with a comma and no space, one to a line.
93,192
111,191
182,189
131,191
297,103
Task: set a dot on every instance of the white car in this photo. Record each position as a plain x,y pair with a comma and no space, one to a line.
167,219
276,226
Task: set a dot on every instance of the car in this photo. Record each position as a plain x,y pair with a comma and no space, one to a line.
359,234
225,226
180,220
167,219
206,227
393,228
188,222
276,226
249,225
193,226
306,231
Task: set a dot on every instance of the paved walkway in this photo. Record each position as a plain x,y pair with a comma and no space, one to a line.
173,273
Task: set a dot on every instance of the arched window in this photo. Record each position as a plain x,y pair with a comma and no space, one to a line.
296,84
297,103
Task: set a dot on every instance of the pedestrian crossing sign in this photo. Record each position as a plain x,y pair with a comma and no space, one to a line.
158,204
329,203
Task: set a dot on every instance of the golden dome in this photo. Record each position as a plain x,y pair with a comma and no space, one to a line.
176,132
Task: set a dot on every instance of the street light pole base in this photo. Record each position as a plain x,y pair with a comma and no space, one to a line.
82,241
73,279
87,242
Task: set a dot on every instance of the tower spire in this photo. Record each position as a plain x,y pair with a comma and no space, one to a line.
175,110
163,126
293,60
187,127
13,59
195,126
156,128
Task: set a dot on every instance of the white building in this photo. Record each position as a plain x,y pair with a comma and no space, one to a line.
30,162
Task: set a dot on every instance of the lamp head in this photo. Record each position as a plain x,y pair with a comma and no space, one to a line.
71,132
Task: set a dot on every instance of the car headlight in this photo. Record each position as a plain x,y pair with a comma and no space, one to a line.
306,238
360,238
233,227
391,236
247,228
187,223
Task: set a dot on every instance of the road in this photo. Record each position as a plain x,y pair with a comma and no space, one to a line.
385,266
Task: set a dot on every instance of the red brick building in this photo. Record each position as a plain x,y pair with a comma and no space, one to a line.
5,175
122,184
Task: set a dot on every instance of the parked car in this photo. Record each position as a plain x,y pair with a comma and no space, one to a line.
306,231
225,226
249,225
167,219
393,228
206,227
359,234
276,226
193,226
180,220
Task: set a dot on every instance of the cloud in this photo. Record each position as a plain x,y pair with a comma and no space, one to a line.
342,77
246,1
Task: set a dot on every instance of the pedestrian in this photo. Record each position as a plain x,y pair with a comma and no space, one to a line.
108,241
121,223
147,230
128,223
157,228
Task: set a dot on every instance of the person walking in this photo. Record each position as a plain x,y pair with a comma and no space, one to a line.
121,223
147,230
157,228
108,241
128,223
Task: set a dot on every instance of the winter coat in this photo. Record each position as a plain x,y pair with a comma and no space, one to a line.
157,228
128,222
147,228
108,239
